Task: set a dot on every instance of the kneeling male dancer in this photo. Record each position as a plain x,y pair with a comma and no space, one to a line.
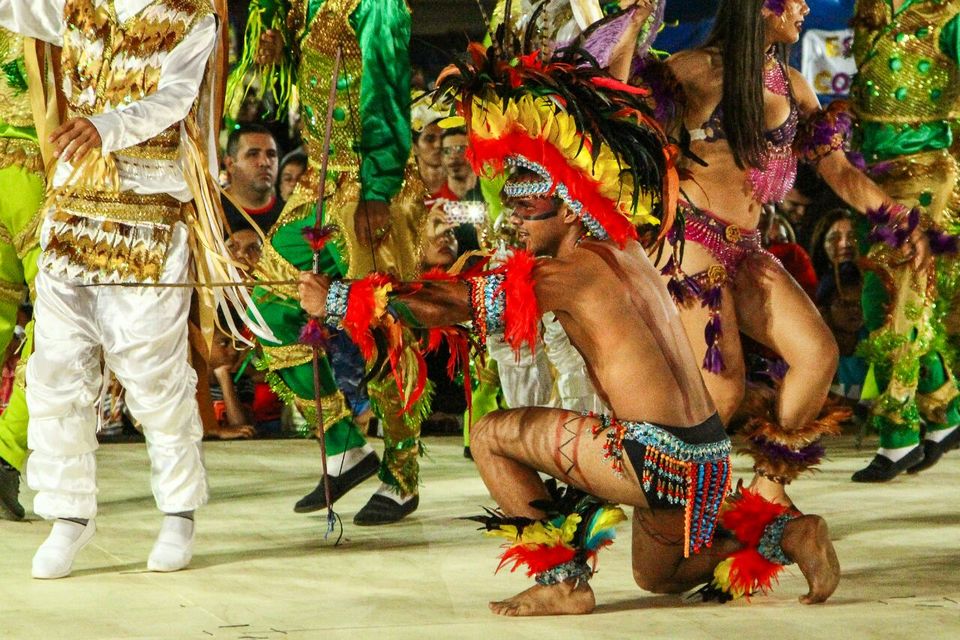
573,202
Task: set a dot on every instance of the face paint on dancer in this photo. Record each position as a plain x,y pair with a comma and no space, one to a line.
784,20
538,222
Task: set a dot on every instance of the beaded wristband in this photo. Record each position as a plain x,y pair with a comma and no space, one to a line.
770,542
487,301
478,311
567,571
336,304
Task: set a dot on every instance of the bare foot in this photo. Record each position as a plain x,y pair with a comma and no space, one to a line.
772,491
231,433
556,600
806,541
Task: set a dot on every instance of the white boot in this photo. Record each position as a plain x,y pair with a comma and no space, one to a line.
54,558
174,547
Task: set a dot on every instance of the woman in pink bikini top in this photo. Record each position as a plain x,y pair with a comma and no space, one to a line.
759,118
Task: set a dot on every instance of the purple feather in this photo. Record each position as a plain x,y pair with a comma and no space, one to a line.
880,168
691,285
670,268
677,291
713,330
882,233
604,38
913,219
713,360
857,160
776,369
942,243
666,93
806,456
711,298
880,215
777,7
314,334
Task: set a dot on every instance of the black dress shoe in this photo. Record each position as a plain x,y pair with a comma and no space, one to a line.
339,485
10,507
883,469
382,510
933,451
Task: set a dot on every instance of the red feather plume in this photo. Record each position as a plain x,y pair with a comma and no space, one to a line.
536,558
748,515
361,311
750,572
521,313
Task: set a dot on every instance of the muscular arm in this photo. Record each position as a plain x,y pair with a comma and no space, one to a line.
439,304
40,19
436,304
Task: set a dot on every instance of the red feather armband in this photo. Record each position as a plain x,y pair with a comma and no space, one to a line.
357,306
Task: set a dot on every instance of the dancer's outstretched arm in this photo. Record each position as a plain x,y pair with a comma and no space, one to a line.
436,304
849,182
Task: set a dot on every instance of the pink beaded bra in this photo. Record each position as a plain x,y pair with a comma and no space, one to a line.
776,178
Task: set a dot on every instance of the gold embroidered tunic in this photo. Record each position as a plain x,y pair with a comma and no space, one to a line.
133,68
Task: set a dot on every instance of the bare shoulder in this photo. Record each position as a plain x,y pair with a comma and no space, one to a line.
803,92
562,278
690,62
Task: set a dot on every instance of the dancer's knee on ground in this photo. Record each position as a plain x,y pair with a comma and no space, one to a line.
654,583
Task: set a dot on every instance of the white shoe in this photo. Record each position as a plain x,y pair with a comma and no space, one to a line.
54,558
174,547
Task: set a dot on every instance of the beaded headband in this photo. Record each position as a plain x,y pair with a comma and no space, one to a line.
548,186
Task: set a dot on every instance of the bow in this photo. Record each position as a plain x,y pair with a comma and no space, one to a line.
316,232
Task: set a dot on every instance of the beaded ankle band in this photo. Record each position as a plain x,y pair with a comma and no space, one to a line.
770,546
758,526
573,570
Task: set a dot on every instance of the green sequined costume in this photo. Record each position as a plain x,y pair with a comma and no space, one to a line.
368,160
907,97
21,194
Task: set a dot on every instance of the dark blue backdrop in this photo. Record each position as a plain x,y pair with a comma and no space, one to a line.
695,17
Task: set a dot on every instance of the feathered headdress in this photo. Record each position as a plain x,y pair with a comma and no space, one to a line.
569,121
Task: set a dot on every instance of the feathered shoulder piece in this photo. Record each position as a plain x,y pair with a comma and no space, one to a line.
567,119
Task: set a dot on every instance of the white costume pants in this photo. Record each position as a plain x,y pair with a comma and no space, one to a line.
141,334
573,384
528,381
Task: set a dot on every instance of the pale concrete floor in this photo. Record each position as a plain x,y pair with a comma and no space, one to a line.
262,571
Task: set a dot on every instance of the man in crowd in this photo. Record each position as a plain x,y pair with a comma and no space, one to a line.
251,164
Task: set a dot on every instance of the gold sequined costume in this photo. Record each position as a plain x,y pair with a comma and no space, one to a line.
907,97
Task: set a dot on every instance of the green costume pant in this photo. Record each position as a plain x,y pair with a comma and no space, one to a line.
21,194
289,363
911,345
